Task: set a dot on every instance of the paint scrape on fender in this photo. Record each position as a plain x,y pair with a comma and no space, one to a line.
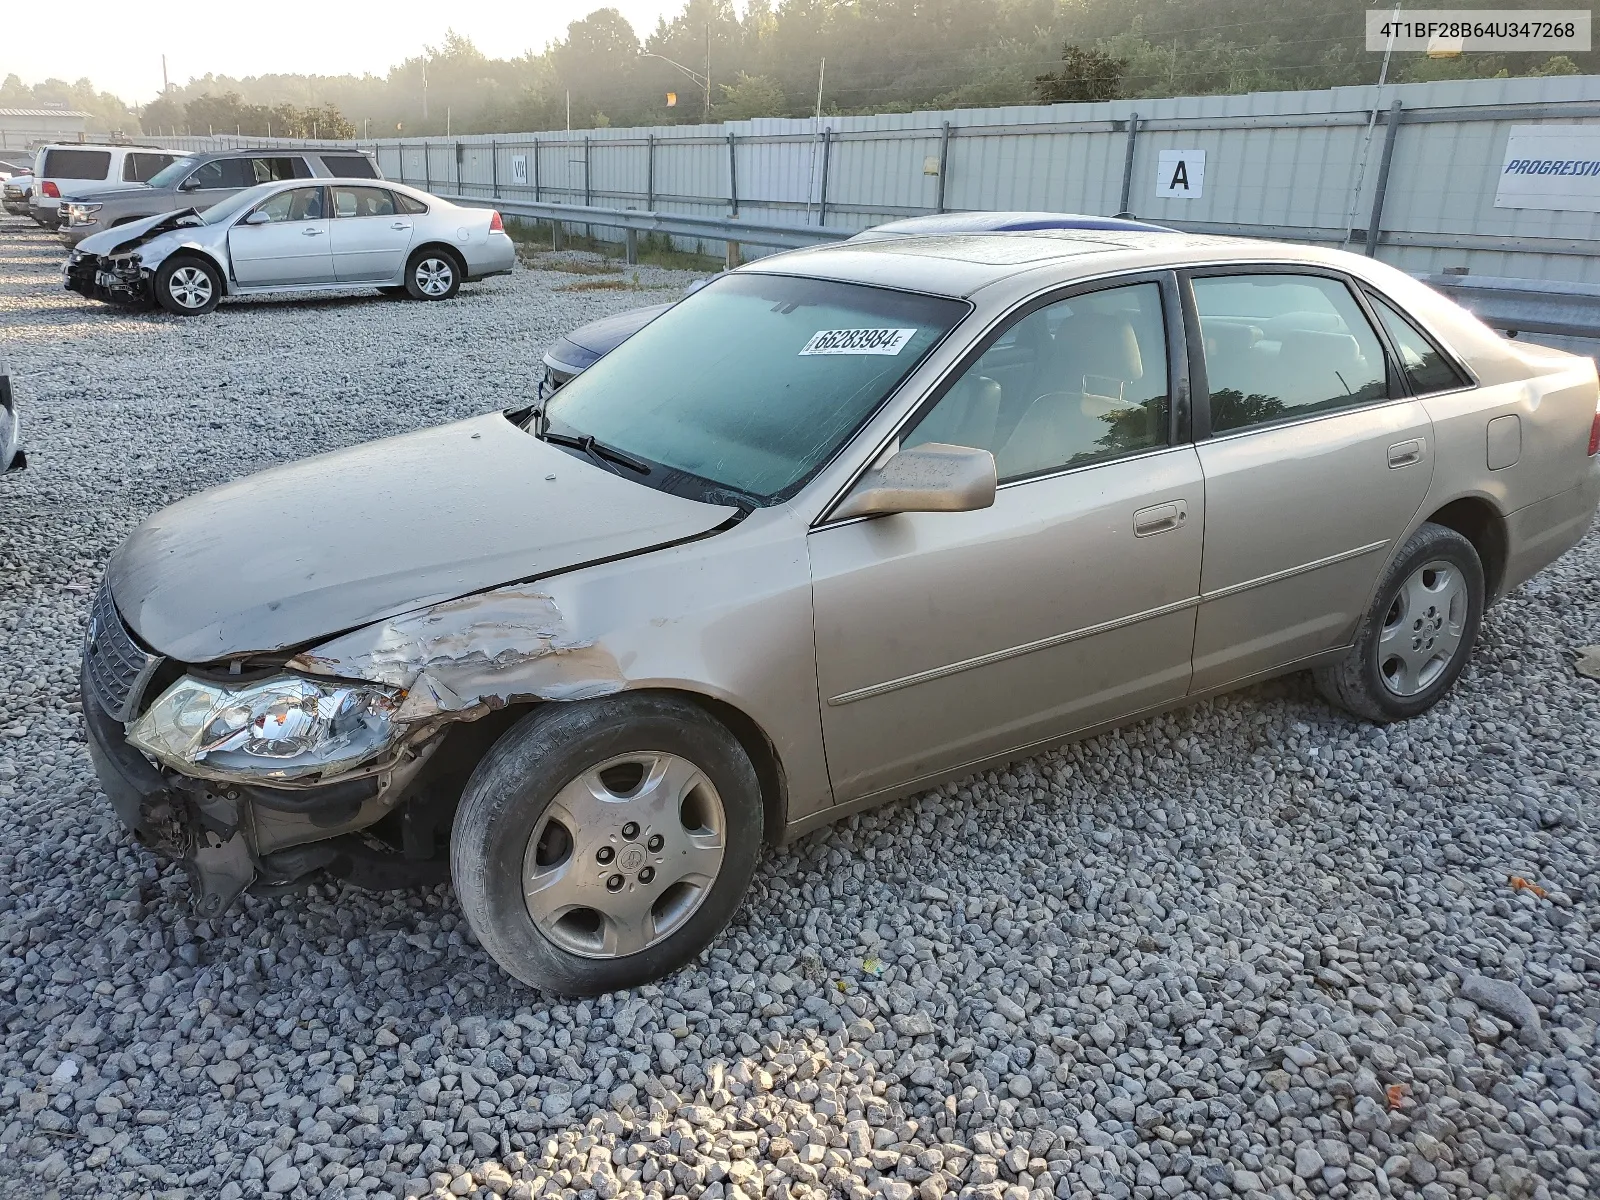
464,658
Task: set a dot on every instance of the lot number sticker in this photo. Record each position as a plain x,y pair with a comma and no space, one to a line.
858,341
1180,174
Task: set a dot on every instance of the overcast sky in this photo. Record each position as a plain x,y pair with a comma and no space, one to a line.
120,48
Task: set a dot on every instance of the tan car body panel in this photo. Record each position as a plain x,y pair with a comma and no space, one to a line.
940,599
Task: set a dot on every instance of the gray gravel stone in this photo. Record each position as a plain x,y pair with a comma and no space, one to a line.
1230,950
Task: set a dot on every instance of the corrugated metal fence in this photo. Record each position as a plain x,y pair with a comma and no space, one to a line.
1299,166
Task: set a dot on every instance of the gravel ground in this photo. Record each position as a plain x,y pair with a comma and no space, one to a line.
1252,948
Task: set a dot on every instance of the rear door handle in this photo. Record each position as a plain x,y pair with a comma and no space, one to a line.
401,225
1159,518
1403,454
312,232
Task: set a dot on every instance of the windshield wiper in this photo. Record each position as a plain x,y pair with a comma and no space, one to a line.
599,452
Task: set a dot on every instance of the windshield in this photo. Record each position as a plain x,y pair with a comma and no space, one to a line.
225,210
752,383
172,174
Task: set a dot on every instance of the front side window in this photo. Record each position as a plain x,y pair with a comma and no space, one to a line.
752,383
1426,367
76,164
362,202
1077,382
142,166
296,204
172,174
1281,346
224,173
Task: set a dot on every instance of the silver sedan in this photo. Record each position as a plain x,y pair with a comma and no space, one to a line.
294,236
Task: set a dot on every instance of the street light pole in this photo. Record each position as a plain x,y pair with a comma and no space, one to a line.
704,81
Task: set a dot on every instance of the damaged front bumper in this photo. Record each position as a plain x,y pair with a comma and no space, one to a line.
230,837
117,279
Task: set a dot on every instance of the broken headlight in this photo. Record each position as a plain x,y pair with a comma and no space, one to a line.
287,727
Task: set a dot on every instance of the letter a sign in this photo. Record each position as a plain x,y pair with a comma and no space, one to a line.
1180,174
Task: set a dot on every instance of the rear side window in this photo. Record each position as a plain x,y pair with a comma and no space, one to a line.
77,164
409,205
363,202
141,166
349,166
1426,367
275,170
1282,346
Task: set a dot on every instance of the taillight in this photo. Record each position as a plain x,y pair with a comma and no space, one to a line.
1594,435
50,189
496,225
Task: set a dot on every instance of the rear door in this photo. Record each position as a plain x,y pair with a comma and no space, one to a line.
1315,463
369,233
290,248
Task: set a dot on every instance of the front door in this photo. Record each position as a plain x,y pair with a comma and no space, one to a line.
943,638
1313,470
290,247
370,235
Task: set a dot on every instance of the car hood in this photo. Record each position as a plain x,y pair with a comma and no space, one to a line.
300,552
145,229
106,194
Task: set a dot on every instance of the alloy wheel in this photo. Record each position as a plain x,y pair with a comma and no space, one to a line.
434,276
624,855
190,287
1422,631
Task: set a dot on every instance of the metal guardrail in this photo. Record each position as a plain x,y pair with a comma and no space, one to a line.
636,221
1514,306
1518,306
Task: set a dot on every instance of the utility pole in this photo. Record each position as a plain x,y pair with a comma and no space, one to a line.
424,89
822,73
569,110
165,86
708,72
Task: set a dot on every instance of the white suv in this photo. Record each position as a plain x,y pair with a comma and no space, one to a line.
79,166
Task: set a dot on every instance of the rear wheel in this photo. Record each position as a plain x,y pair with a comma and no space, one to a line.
433,274
188,286
602,844
1415,640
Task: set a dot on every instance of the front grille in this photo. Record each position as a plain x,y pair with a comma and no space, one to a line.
116,669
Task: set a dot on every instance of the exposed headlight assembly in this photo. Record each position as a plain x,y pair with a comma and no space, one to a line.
287,727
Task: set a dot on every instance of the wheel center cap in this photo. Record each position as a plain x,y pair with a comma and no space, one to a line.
631,857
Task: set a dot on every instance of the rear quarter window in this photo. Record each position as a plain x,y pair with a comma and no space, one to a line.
349,166
77,164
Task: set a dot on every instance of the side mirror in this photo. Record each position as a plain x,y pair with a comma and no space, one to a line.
257,218
190,184
928,478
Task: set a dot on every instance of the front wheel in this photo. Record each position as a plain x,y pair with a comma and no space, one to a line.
1416,638
188,286
602,844
433,274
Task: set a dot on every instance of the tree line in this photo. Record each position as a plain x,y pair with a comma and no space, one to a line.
767,60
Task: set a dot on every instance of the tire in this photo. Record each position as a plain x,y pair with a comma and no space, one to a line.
1415,640
434,274
653,889
187,286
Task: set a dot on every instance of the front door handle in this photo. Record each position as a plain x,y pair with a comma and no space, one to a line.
1159,518
312,232
1403,454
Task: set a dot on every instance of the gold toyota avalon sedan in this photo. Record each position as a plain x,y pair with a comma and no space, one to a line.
837,527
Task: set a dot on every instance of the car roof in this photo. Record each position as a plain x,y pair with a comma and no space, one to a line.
959,264
999,222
